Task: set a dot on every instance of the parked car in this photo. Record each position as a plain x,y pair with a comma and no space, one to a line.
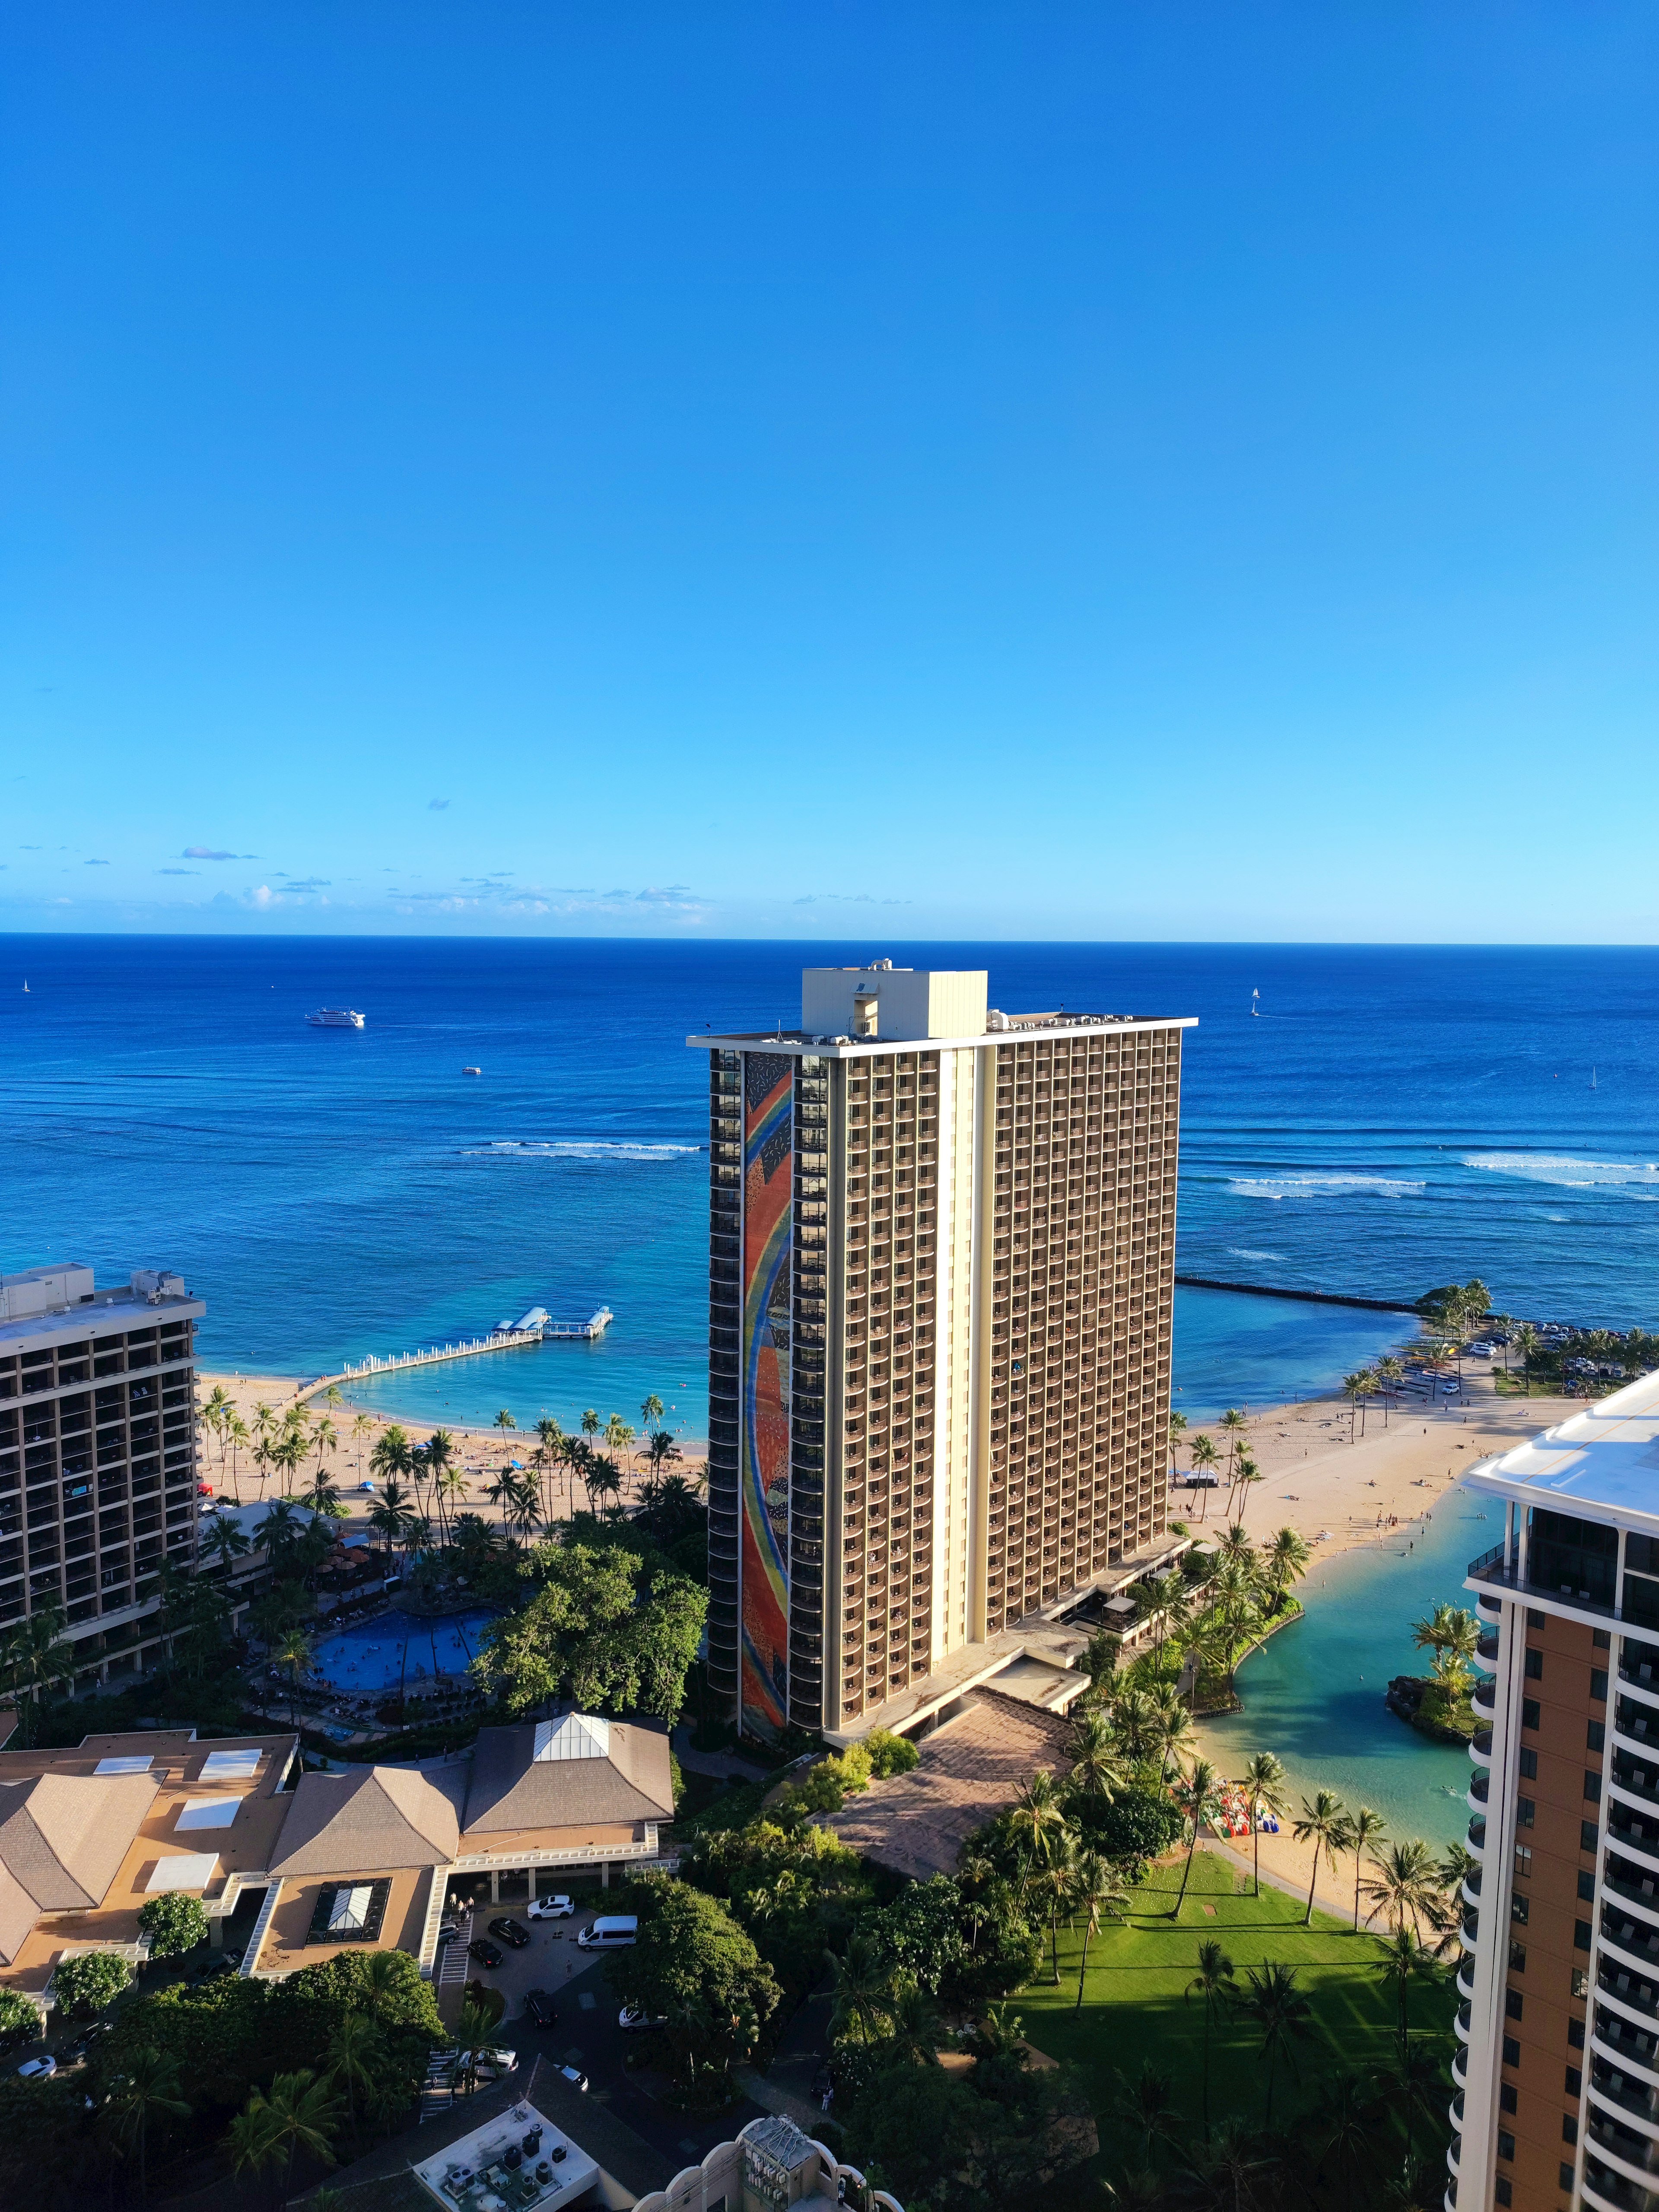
448,1931
1451,1386
510,1932
219,1962
485,1953
574,2074
491,2063
551,1908
539,2009
634,2020
610,1932
42,2069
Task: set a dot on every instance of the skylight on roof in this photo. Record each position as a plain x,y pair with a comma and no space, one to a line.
184,1870
133,1766
230,1766
578,1735
207,1812
349,1914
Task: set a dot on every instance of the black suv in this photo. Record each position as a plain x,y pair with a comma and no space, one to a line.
485,1953
510,1932
539,2009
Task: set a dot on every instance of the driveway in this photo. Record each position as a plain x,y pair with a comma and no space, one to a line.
587,2008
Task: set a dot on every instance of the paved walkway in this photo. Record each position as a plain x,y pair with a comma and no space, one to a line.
771,2099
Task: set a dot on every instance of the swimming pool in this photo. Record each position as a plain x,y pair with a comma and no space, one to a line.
399,1649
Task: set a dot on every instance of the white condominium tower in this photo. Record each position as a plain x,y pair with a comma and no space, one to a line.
1557,2074
941,1265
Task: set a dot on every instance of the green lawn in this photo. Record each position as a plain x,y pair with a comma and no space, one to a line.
1134,2007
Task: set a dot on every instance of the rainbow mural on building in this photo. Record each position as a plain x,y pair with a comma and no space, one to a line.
769,1132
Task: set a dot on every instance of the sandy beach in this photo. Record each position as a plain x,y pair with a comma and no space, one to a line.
480,1452
1339,1493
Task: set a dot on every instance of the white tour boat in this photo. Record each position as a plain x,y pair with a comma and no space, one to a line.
336,1018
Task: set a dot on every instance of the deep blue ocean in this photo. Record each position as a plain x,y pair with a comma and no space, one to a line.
1394,1118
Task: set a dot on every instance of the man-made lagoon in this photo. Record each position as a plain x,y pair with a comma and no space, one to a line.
1313,1693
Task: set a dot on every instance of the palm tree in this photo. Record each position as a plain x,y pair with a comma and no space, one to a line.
550,1437
1391,1373
1097,1761
1203,1457
1262,1784
1199,1796
1354,1388
859,1990
293,1650
1235,1427
1036,1819
351,2051
147,2088
504,1421
916,2026
1214,1982
1401,1960
1135,1717
236,1433
1282,2015
222,1543
1177,1430
1323,1824
591,1423
1351,2121
440,1453
391,1456
503,1492
1172,1726
362,1426
1414,2080
1246,1475
32,1658
1094,1892
303,2115
651,1412
251,2138
1050,1883
390,1516
382,1980
1364,1829
1146,2107
1285,1561
1406,1884
475,2035
1164,1602
1528,1343
326,1437
617,1434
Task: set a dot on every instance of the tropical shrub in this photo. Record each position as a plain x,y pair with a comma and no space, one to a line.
175,1923
86,1981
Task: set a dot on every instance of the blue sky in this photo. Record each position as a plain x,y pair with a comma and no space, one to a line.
1099,470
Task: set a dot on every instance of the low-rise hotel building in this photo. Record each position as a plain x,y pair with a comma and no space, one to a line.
1557,2072
367,1857
98,1481
941,1275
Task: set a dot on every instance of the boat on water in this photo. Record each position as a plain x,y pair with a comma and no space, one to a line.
336,1018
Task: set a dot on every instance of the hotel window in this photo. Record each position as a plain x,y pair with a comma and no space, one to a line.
1512,2003
1530,1767
1588,1835
1519,1909
1529,1714
1508,2098
1580,1982
1564,2177
1502,2193
1535,1666
1505,2143
1511,2051
1523,1859
1524,1812
1595,1738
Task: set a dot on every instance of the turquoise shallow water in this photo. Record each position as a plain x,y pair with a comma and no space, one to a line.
1314,1694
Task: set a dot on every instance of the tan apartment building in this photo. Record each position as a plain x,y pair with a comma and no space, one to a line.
366,1858
1557,2076
941,1274
97,1480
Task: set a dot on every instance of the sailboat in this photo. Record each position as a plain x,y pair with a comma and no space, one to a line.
1594,1085
1254,997
26,985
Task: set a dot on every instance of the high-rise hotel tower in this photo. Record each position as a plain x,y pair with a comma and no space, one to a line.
941,1264
1557,2074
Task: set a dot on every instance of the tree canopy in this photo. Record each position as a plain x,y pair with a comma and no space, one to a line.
175,1923
586,1634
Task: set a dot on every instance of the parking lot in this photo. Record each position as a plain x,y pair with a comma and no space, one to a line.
587,2007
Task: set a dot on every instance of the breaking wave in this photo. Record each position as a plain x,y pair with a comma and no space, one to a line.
1316,1185
575,1149
1568,1174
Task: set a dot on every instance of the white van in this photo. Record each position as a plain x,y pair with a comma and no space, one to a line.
610,1934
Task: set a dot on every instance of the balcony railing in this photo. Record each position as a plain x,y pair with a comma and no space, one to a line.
1603,2187
1480,1785
1644,1894
1466,1977
1465,2013
1618,2089
1484,1695
1639,1781
1500,1573
1620,2041
1637,2150
1624,1831
1471,1928
1480,1745
1632,1936
1631,1986
1477,1837
1472,1883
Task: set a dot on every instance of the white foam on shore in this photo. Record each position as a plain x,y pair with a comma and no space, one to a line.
1316,1185
575,1149
1569,1174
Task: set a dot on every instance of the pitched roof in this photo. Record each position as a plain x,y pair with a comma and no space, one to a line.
539,1775
369,1821
63,1838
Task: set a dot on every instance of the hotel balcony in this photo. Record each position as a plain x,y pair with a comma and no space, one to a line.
1629,1988
1484,1696
1627,2150
1480,1747
1472,1886
1476,1839
1470,1931
1638,1778
1465,2012
1459,2066
1454,2114
1626,1879
1636,1724
1619,2045
1477,1789
1636,1833
1466,1977
1613,2086
1609,2191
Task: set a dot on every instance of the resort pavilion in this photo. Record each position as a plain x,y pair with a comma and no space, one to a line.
363,1856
